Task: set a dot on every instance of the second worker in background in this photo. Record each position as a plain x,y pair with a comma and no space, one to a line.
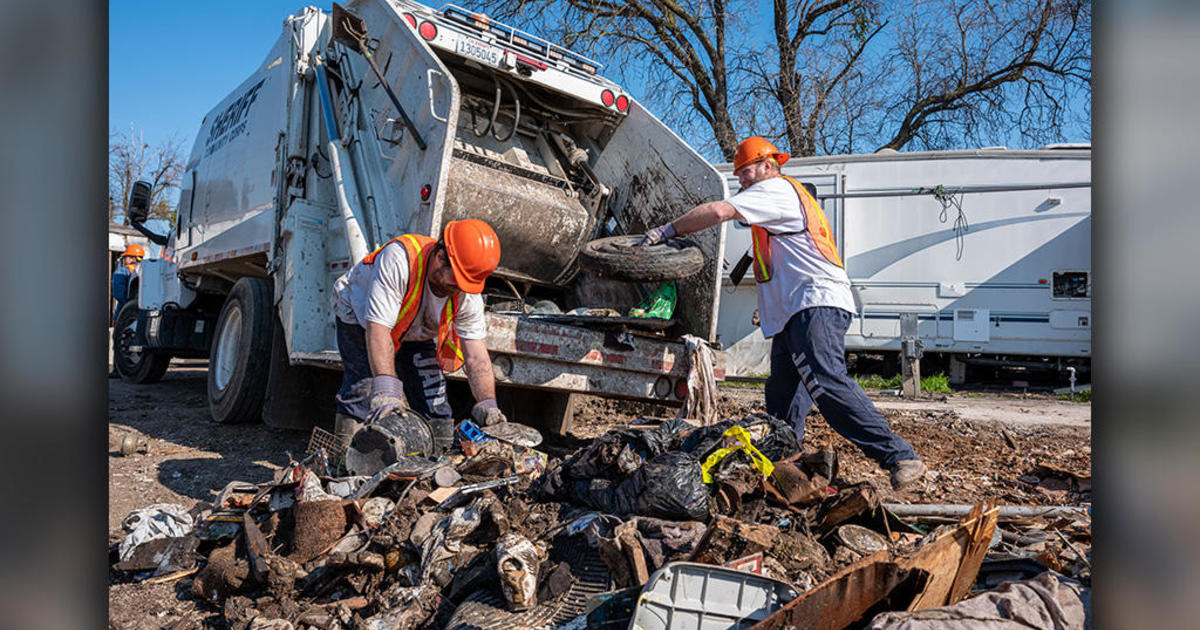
804,305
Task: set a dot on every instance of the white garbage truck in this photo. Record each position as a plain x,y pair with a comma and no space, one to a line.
388,117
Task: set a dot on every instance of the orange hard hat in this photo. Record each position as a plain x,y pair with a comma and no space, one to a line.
474,251
134,250
756,149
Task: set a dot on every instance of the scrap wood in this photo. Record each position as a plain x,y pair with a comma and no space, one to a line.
728,538
850,597
256,548
171,577
952,559
848,504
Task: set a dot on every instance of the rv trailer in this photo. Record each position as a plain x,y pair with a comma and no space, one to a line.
989,248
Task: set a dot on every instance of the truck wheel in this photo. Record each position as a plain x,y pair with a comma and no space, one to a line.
135,366
616,257
239,362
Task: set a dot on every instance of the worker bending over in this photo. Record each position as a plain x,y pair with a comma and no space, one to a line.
405,313
804,305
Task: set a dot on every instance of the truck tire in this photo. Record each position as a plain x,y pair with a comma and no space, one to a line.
616,257
239,361
139,367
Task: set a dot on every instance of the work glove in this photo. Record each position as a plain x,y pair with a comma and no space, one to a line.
487,413
657,235
387,397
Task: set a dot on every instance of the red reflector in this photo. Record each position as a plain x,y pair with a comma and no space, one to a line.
681,389
1041,281
425,192
412,21
428,30
606,97
622,102
530,61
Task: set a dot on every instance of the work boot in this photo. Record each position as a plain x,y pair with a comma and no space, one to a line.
906,472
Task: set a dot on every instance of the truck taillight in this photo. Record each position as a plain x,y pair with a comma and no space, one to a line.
607,97
428,30
425,192
623,103
412,21
681,389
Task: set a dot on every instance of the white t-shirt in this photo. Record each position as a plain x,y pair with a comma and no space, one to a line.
802,277
373,293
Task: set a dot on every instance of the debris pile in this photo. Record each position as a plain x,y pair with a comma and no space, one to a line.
498,534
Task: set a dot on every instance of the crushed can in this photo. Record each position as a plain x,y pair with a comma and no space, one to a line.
530,462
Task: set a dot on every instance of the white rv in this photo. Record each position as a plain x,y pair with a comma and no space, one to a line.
990,248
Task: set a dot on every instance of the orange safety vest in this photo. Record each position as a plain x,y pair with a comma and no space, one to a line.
815,224
419,248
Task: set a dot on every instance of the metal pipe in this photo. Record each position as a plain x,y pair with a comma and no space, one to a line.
354,236
1007,512
905,192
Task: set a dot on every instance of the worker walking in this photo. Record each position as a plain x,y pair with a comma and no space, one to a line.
406,313
804,305
126,266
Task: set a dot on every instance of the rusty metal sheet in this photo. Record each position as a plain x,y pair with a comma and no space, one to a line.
851,597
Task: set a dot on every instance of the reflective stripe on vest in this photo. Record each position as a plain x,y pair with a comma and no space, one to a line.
815,224
419,248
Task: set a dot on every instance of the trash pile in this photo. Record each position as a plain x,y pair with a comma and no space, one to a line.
656,524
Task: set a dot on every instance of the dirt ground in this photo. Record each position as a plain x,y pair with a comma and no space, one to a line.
1019,449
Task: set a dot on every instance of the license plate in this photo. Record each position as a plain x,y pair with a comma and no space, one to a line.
478,50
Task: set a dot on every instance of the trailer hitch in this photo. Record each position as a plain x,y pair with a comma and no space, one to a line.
350,30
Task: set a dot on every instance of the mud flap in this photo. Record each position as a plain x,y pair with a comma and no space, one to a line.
298,397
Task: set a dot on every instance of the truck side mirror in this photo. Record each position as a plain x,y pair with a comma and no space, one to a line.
138,209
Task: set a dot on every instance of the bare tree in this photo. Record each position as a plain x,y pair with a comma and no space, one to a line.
131,158
679,48
839,75
986,69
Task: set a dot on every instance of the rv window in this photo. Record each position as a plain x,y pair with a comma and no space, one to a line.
1071,285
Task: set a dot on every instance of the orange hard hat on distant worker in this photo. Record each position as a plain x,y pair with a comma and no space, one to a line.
757,149
474,251
134,250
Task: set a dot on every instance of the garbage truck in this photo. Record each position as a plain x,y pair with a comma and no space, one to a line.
389,117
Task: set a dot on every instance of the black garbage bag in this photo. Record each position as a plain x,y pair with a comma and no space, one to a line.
779,441
667,486
620,452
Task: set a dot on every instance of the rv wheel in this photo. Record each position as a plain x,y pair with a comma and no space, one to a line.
618,258
241,350
134,364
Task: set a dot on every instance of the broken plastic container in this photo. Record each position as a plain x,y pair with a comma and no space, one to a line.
517,561
692,595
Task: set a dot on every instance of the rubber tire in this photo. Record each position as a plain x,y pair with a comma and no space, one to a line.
242,399
151,366
616,257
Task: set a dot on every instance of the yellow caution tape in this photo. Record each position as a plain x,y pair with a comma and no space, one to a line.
742,437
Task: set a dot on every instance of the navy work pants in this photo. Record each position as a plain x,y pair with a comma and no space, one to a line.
416,365
808,364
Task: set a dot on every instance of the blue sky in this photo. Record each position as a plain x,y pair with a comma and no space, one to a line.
169,62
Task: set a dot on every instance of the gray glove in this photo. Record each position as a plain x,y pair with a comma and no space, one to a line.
387,397
657,235
486,413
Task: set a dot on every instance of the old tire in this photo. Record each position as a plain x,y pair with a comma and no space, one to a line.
239,361
617,258
139,367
